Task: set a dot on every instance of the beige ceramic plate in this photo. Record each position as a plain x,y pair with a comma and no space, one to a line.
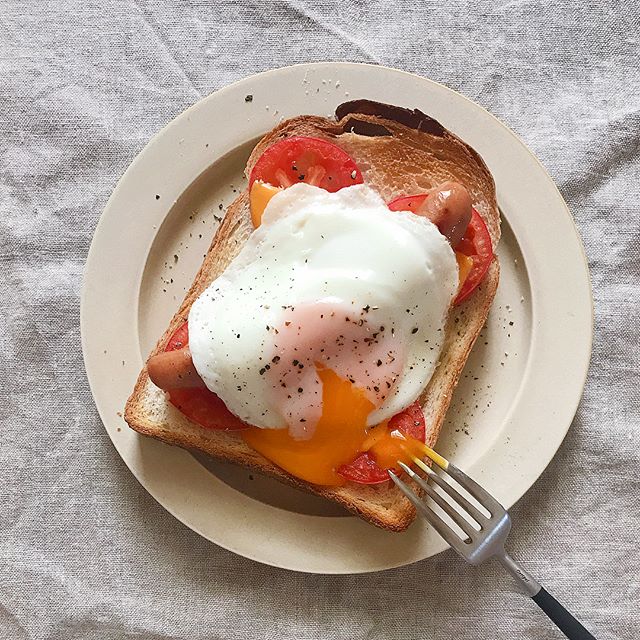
520,388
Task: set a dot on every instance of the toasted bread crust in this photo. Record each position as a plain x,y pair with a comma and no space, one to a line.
397,154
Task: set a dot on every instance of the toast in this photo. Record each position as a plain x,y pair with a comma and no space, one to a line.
399,152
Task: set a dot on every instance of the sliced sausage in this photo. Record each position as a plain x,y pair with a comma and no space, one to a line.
449,208
174,370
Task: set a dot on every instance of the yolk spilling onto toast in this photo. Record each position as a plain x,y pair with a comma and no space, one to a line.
388,447
340,435
465,264
259,197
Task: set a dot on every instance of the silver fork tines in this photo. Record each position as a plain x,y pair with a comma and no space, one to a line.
470,508
481,543
455,515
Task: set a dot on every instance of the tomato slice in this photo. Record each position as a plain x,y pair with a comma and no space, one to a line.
305,159
476,243
179,338
364,469
200,405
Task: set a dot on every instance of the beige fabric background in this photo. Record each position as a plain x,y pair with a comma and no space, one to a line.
84,551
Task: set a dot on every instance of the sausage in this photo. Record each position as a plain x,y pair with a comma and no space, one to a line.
449,208
174,370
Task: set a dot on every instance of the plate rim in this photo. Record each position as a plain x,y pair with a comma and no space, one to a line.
335,67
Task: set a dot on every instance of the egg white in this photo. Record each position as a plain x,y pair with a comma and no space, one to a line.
314,245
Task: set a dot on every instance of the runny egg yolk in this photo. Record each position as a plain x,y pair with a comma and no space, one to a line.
340,435
259,196
465,264
388,447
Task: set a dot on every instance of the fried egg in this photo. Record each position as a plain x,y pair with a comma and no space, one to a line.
334,305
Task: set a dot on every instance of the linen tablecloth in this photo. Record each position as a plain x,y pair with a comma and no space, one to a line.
85,552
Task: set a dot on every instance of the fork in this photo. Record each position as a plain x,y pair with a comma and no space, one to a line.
486,539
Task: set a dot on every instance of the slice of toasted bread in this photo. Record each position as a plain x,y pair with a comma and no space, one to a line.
399,152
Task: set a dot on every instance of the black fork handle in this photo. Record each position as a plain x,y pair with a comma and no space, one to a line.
556,612
571,627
